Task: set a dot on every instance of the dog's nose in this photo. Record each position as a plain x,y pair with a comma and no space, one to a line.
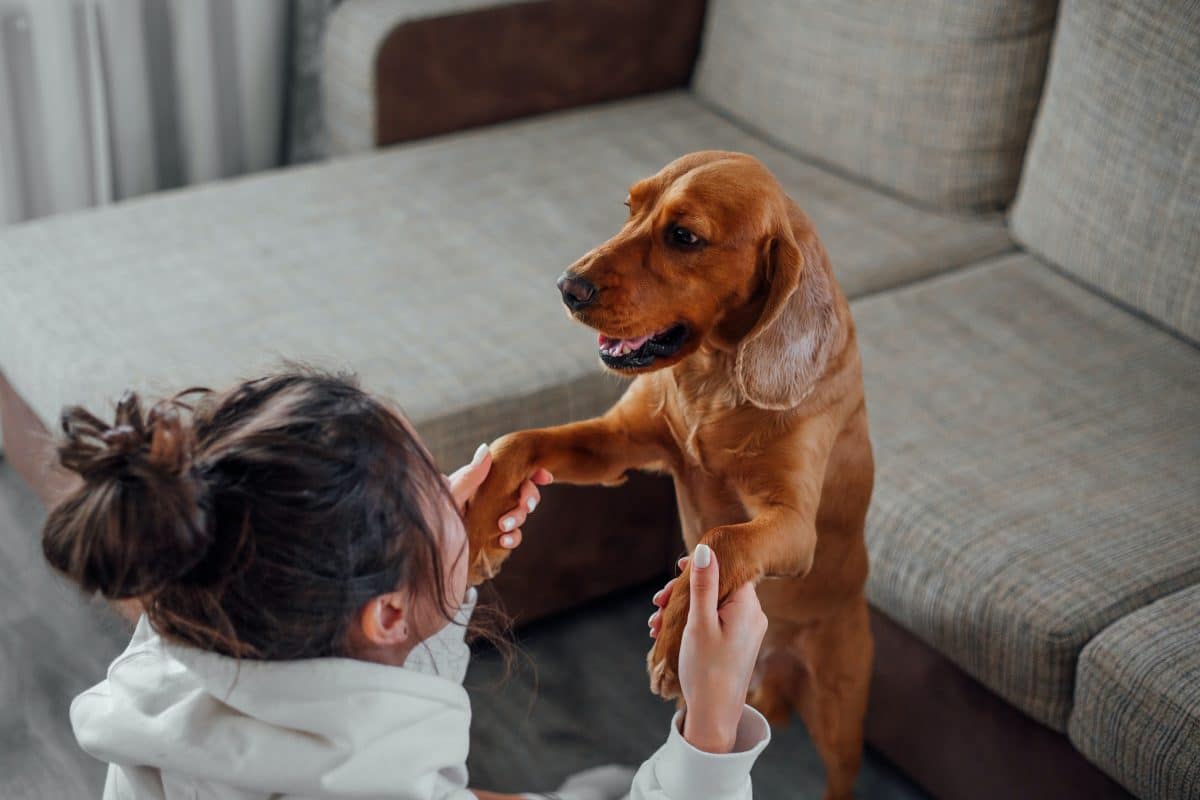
576,292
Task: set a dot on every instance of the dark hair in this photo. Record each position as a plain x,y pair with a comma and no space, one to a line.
254,522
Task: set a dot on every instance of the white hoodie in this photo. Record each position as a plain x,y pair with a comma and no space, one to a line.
175,722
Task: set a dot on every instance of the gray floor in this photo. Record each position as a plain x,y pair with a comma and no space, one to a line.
577,696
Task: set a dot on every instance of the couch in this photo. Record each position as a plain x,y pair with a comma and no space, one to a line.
1009,192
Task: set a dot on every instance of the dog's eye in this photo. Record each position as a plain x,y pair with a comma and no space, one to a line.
682,236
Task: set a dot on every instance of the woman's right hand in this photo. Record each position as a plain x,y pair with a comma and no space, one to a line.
716,660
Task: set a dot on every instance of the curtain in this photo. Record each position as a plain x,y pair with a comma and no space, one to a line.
305,135
105,99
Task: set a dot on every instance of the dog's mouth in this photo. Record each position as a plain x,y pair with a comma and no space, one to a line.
642,351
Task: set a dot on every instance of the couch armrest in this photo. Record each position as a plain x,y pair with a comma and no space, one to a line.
396,70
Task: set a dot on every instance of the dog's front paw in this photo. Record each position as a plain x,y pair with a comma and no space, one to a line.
663,660
664,681
512,465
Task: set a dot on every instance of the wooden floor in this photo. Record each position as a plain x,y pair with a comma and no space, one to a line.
577,698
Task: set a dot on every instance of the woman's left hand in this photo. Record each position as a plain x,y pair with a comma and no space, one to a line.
466,480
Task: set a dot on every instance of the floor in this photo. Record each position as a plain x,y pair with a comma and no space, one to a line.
576,695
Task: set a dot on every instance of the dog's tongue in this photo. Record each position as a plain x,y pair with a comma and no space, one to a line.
609,344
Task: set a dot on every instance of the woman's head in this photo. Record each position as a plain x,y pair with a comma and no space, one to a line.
289,517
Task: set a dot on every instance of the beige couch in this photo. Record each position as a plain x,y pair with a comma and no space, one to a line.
1033,378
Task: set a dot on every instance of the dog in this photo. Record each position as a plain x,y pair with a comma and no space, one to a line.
718,297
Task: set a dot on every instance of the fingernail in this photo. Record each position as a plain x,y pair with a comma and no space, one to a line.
650,622
508,523
480,452
657,595
507,541
531,504
701,556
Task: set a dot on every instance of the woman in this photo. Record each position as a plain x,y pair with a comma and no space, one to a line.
302,566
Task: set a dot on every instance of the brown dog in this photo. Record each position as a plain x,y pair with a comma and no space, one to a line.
718,295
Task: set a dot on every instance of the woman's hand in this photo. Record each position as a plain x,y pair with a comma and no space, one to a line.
466,480
718,653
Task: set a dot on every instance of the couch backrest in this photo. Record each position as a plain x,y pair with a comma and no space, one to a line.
1111,188
932,99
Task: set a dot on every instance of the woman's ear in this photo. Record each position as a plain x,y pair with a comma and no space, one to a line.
779,361
383,621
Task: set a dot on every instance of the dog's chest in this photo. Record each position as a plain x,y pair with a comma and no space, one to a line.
709,427
708,443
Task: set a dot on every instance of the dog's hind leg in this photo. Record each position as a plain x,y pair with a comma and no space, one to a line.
778,675
837,654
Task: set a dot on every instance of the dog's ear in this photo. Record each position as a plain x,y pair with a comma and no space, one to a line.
779,361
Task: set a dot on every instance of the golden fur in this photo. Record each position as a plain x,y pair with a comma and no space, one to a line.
759,417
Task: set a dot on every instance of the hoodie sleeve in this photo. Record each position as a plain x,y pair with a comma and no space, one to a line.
678,771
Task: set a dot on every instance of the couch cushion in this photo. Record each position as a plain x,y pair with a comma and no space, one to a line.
1038,478
1111,190
428,268
1137,699
930,99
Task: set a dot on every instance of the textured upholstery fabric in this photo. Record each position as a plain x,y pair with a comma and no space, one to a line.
1111,188
933,100
429,269
1137,699
356,31
1038,455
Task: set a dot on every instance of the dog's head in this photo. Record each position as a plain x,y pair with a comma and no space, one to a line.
713,254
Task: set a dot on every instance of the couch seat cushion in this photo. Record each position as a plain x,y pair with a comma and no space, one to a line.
1111,188
1137,698
1038,470
429,269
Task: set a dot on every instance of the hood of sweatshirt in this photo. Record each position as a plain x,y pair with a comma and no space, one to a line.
330,727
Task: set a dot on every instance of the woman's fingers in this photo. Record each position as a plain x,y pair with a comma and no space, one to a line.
660,599
704,579
663,595
527,500
542,477
514,518
511,540
467,479
529,496
655,622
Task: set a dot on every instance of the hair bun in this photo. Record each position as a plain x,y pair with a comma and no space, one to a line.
140,520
